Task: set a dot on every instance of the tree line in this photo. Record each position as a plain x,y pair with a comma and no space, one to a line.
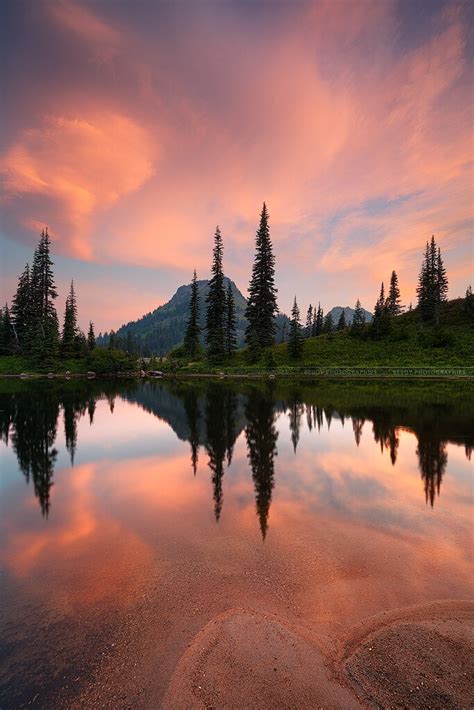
262,305
220,319
31,326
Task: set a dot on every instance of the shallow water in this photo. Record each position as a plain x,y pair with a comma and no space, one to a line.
150,507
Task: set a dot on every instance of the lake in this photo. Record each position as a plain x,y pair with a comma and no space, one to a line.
133,513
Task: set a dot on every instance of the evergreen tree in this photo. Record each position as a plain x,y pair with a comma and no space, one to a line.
295,341
91,337
318,321
43,287
21,310
70,330
380,325
112,340
468,305
130,344
341,323
393,299
309,322
191,337
45,327
215,300
432,283
261,305
358,320
8,343
230,323
328,324
80,344
441,279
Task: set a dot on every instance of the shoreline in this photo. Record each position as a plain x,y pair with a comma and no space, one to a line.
366,374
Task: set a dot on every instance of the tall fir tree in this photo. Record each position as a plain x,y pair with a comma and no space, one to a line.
318,321
91,337
358,319
441,279
70,329
262,305
230,322
394,303
468,305
309,322
215,300
191,337
432,283
21,310
328,324
295,341
341,323
8,343
380,324
45,325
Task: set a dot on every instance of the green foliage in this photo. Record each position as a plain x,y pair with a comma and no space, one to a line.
261,305
215,301
341,324
91,337
191,337
318,321
381,323
328,325
230,322
106,361
22,308
432,283
358,320
8,342
295,341
70,329
394,299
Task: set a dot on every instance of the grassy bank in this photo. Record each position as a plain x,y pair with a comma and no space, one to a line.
412,348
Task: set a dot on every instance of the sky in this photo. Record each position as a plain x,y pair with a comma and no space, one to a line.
131,129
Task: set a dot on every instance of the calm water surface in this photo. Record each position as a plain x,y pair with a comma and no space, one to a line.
322,503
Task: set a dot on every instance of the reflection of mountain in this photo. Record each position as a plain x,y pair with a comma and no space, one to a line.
212,415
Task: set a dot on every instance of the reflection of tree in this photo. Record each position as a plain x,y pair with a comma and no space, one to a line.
216,442
318,416
91,409
432,460
296,412
230,424
29,417
261,435
357,427
33,436
386,434
191,408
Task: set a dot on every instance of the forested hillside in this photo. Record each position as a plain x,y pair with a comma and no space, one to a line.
159,331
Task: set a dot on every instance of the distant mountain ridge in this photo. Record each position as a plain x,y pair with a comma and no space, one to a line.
349,314
162,329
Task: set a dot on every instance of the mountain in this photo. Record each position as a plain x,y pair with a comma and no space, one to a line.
349,313
161,330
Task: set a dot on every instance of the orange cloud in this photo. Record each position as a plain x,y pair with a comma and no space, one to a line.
84,165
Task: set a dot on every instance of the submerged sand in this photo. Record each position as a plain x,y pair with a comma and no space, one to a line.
420,657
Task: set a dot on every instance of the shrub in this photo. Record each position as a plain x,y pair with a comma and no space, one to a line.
103,361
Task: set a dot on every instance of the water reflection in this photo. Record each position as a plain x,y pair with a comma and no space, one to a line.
211,416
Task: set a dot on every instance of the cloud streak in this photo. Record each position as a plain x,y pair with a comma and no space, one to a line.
354,125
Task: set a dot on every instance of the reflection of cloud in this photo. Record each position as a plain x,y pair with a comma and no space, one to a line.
328,117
